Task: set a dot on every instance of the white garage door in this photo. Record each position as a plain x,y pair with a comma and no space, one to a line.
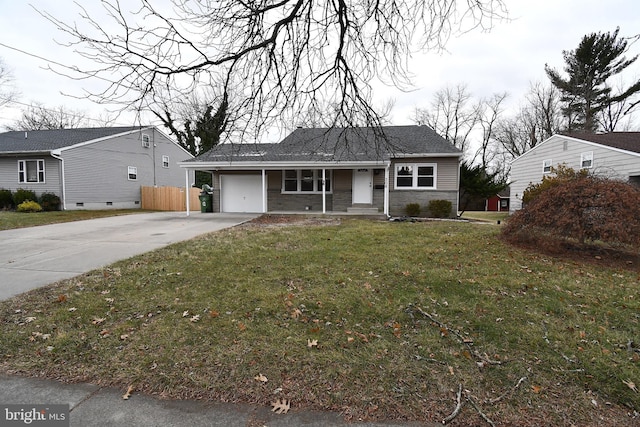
241,193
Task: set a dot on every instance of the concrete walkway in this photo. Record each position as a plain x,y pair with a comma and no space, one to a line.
36,256
91,405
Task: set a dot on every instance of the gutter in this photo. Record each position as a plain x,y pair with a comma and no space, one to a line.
56,155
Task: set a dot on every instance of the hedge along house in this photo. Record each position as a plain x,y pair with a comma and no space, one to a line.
91,168
350,170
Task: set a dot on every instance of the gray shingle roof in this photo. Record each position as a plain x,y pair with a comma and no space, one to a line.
48,140
337,145
629,141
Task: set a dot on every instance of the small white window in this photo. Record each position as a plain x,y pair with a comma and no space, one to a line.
133,173
586,160
146,140
165,161
546,166
31,171
416,176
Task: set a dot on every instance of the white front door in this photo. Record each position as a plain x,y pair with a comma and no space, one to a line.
362,186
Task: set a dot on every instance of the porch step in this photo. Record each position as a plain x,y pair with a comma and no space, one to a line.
364,210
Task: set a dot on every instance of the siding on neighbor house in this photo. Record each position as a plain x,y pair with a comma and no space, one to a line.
609,162
97,174
10,180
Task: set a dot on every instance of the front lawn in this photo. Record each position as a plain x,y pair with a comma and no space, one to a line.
11,219
377,320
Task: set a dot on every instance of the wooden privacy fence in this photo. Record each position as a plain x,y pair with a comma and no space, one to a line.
169,198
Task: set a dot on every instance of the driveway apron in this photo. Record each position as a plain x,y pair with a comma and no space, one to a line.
37,256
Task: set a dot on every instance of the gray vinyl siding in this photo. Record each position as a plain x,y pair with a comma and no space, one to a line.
96,174
608,162
9,175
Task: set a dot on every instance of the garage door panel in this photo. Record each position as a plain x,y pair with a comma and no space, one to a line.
241,193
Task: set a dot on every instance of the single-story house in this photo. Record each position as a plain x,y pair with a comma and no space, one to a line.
359,170
91,168
615,155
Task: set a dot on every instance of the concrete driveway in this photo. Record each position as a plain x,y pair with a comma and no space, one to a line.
36,256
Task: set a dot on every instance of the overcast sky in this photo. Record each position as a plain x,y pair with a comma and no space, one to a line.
506,59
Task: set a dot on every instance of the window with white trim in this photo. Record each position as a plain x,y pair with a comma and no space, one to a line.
165,161
416,175
586,160
132,173
31,171
546,166
305,181
146,140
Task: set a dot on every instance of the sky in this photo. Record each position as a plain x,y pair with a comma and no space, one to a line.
506,59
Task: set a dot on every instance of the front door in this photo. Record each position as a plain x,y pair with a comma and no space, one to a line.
362,186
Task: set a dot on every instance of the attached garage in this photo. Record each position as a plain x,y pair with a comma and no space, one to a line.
241,193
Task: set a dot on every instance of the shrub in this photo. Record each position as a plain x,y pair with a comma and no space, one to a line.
6,199
29,206
22,195
412,209
558,176
49,202
584,209
440,208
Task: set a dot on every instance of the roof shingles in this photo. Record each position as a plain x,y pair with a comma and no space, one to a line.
337,145
48,140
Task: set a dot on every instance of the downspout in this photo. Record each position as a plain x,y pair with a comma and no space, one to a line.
264,191
386,189
187,190
324,192
62,182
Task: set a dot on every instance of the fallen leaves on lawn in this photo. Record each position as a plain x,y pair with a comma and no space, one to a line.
261,378
631,385
29,319
312,343
281,406
194,318
98,320
128,393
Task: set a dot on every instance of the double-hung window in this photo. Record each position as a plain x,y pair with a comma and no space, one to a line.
546,166
416,176
31,170
305,181
165,161
586,160
132,172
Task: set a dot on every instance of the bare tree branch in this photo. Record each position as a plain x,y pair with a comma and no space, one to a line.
283,56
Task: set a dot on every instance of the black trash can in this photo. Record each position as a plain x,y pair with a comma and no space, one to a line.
206,202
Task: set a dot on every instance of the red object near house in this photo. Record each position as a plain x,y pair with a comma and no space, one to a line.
497,203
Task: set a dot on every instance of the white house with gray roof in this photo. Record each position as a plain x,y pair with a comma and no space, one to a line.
615,155
361,170
91,168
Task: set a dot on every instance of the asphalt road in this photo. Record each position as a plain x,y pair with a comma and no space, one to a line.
37,256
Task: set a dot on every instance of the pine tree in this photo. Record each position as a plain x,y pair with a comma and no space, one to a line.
585,93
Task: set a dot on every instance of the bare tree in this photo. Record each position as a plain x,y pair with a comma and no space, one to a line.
613,114
489,113
537,119
8,92
39,117
452,114
283,54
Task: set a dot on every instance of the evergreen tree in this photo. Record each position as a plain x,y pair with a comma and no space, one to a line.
585,92
477,183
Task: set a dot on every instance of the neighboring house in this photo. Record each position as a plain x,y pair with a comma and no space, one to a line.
91,168
615,155
358,170
499,202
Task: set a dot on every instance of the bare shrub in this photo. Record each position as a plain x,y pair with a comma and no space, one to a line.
585,209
